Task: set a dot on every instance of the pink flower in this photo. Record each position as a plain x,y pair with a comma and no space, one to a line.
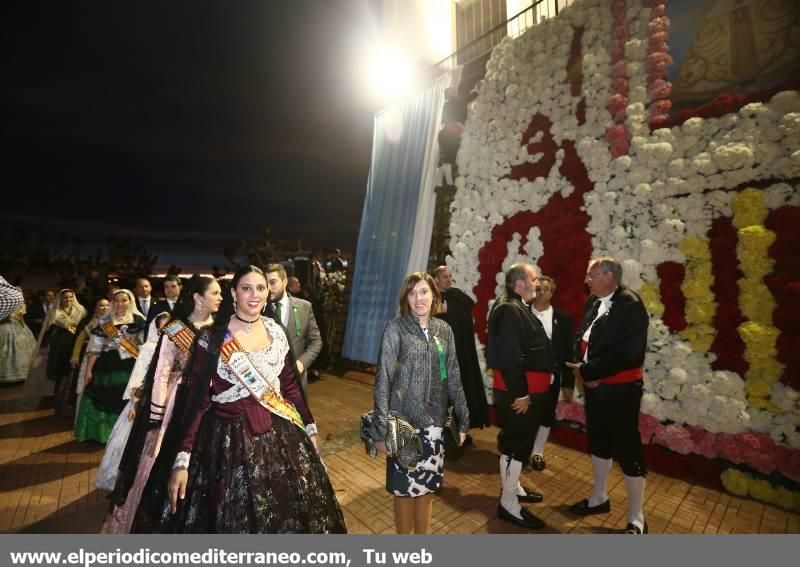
659,61
703,441
617,103
620,70
787,461
621,86
729,448
620,148
618,8
659,89
658,25
649,427
617,50
677,438
621,33
659,11
617,138
659,107
571,411
657,39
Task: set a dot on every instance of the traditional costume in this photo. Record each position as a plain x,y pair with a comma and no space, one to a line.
17,347
62,324
152,418
611,341
245,440
116,348
523,361
559,329
108,470
459,317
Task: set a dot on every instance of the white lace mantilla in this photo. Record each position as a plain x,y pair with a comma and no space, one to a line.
269,363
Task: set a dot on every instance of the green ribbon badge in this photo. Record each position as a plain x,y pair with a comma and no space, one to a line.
442,363
296,321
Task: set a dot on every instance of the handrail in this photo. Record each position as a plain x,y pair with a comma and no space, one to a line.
448,62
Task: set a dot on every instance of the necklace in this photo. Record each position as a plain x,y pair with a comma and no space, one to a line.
249,323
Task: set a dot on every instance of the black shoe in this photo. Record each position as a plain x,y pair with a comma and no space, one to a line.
528,520
538,463
582,508
632,528
468,441
531,496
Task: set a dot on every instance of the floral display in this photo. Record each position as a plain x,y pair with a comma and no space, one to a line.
570,151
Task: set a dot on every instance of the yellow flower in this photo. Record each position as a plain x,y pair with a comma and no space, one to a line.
787,499
736,482
652,299
749,208
695,247
763,491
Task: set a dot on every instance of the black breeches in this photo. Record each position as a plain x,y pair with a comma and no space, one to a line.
552,394
518,431
612,421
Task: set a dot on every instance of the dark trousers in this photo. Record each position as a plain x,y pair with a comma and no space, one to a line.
518,431
549,415
612,421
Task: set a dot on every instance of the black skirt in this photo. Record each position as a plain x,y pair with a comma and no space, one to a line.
245,483
58,357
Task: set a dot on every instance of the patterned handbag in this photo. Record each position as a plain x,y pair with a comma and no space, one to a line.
402,442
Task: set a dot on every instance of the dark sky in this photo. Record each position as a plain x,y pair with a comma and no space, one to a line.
183,125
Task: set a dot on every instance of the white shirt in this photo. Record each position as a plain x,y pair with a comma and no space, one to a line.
286,306
171,304
605,305
546,317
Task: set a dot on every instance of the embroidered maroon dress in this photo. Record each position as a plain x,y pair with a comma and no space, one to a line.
251,470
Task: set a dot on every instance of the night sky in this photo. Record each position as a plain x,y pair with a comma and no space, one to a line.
185,125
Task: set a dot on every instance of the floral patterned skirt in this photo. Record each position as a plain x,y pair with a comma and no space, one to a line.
244,483
428,475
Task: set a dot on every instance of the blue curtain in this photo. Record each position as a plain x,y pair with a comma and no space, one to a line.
384,241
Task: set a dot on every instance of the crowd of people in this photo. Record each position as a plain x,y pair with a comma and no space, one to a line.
425,366
202,402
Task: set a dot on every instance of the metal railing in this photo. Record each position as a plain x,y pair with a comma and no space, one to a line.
514,27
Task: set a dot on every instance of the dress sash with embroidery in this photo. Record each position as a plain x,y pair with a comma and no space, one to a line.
243,368
113,333
180,334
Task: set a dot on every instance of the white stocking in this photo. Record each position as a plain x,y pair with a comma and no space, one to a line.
541,439
635,488
510,470
448,172
600,470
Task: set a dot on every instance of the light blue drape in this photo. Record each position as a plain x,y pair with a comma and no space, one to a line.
399,146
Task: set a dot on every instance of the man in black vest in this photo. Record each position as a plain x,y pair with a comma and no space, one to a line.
558,326
457,312
611,345
523,361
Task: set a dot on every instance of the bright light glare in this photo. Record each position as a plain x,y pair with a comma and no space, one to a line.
389,74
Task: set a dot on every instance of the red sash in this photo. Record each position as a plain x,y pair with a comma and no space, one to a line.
621,377
538,382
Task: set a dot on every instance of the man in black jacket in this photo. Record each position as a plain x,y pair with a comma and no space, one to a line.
523,361
610,344
457,312
558,326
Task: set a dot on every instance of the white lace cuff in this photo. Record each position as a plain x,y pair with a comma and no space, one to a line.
182,461
311,429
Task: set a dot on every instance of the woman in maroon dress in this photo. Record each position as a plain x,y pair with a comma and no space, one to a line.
247,459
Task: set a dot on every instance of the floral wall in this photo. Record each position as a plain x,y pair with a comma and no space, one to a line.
572,149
